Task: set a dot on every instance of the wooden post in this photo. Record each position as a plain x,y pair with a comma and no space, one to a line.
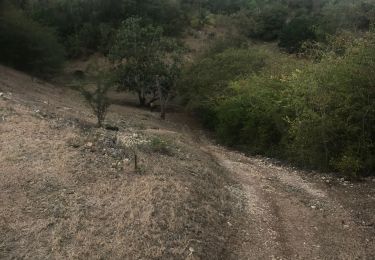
135,162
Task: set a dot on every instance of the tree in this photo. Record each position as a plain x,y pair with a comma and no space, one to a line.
135,50
167,78
147,62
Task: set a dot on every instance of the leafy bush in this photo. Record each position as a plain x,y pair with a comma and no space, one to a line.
318,115
26,45
334,104
296,32
347,15
253,118
270,21
206,81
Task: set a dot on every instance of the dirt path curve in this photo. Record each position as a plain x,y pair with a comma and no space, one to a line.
287,216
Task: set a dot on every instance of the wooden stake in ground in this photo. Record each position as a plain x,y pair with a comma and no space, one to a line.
135,162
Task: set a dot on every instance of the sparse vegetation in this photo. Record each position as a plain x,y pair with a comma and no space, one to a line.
98,100
159,145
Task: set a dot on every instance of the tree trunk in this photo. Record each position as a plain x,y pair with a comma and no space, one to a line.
141,92
162,99
142,99
135,162
100,122
162,110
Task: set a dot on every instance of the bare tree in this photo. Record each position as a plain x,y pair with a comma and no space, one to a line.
98,100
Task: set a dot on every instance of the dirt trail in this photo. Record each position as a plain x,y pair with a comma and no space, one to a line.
288,216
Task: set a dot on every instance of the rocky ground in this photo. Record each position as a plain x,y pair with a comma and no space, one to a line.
70,190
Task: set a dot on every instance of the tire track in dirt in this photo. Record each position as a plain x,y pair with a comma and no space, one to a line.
285,215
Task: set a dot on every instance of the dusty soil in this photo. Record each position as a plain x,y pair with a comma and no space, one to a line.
69,190
290,214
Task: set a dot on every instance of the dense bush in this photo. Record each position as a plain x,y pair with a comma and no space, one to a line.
269,22
319,116
206,81
26,45
252,119
347,15
334,104
80,23
296,32
89,26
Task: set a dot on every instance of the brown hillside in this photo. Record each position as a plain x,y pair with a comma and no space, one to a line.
69,190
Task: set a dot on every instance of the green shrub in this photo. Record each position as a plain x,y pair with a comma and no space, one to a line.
349,165
334,103
295,33
269,22
347,15
253,119
98,100
158,145
206,81
26,45
317,115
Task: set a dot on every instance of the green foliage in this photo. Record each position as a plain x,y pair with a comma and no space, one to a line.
350,165
252,119
320,115
137,47
158,145
296,32
136,39
85,27
347,15
269,22
148,63
26,45
80,23
206,81
335,112
167,73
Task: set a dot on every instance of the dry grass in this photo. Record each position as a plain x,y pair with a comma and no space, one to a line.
69,190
